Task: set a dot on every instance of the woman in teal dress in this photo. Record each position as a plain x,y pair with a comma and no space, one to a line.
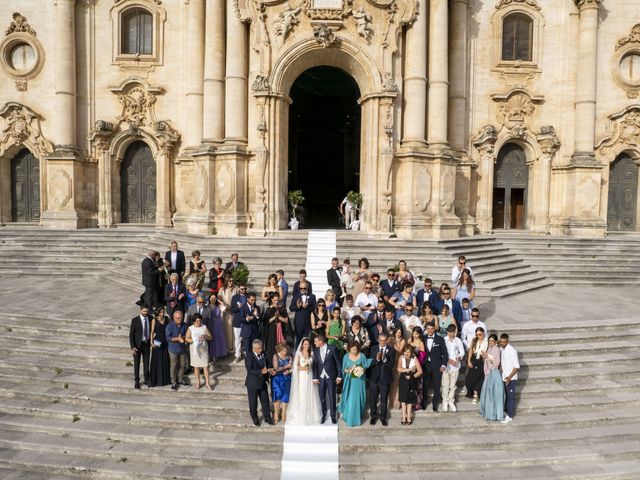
352,403
492,394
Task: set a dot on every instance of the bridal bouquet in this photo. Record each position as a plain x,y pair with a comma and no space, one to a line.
304,363
357,371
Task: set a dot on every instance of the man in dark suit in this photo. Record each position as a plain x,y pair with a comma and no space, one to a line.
391,323
175,261
380,377
238,301
175,294
375,321
198,307
302,304
426,295
327,373
454,305
333,279
435,363
303,279
139,340
389,285
233,264
150,279
249,323
258,372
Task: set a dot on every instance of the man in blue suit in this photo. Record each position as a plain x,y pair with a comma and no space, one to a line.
389,285
238,301
327,374
426,295
249,324
454,305
302,304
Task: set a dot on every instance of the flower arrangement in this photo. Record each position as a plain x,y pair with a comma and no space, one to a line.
357,371
355,198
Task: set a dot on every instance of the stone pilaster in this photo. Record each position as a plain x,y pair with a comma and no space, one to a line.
484,142
194,68
214,71
539,210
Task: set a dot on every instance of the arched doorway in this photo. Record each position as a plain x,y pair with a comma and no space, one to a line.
510,185
623,194
324,142
25,187
138,185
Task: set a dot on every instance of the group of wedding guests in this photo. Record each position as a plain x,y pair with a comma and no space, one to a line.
397,337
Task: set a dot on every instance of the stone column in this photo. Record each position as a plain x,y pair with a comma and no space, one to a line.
194,68
586,81
549,145
458,75
64,65
438,74
214,71
236,83
484,142
415,82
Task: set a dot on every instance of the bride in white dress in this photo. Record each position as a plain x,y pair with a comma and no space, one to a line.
304,399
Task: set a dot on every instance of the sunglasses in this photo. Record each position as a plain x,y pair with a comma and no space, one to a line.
475,316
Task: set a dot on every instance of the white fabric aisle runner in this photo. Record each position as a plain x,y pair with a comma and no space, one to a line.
310,452
321,248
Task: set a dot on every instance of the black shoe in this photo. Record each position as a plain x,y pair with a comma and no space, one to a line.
185,383
435,409
256,422
323,419
137,386
269,421
334,420
373,420
146,383
424,406
384,422
174,386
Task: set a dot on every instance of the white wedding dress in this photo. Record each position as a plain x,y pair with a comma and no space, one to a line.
304,399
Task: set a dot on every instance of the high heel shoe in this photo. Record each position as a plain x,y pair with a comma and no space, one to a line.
475,399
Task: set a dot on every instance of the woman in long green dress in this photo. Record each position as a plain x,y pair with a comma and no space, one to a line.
336,330
353,400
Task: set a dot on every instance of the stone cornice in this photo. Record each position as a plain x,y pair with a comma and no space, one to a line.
506,3
587,4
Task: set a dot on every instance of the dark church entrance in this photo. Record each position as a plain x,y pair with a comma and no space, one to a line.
324,142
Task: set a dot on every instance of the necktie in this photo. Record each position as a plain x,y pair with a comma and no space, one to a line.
144,328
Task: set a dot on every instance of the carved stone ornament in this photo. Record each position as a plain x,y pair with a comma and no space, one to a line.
136,105
260,84
388,85
625,132
324,35
548,140
18,25
60,189
485,140
21,85
363,22
633,37
101,136
515,111
529,3
586,3
22,125
286,20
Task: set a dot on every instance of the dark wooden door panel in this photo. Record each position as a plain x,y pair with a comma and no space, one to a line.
138,185
511,180
25,187
623,195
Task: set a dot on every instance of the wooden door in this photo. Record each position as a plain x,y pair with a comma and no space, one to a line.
510,185
25,187
138,185
623,195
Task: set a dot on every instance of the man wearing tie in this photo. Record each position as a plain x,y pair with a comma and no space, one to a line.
302,304
249,323
139,336
327,374
375,322
198,307
434,365
258,373
333,279
380,377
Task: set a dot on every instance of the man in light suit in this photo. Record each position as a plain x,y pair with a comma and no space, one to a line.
380,377
302,304
327,374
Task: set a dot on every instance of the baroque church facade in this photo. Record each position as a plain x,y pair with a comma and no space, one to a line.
450,117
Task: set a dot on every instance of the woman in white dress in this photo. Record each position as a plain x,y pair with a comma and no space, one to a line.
197,337
304,399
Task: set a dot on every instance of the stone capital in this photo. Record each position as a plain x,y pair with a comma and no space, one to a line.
584,4
549,141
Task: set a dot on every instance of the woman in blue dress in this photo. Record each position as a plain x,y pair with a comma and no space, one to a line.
465,288
281,382
352,403
401,299
218,345
492,394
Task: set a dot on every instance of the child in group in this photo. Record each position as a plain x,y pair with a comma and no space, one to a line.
346,279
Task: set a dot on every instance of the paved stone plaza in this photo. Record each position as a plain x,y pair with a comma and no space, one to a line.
68,408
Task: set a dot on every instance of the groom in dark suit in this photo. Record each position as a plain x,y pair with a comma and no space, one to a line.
333,279
381,377
435,363
258,373
327,373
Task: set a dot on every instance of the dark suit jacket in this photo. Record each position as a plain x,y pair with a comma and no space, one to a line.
382,372
296,287
456,311
230,268
255,379
150,273
431,298
333,278
249,328
179,303
302,315
388,289
438,356
192,310
372,321
237,311
181,263
135,332
332,363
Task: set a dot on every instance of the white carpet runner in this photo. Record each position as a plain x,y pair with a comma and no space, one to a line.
311,452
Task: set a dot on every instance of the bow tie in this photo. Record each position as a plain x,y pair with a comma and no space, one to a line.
429,338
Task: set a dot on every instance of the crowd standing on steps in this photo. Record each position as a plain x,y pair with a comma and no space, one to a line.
388,344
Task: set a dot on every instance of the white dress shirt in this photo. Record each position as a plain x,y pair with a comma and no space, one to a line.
456,272
509,361
174,260
365,299
145,328
469,332
456,352
323,355
348,313
410,321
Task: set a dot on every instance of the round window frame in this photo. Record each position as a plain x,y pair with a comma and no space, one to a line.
6,48
632,88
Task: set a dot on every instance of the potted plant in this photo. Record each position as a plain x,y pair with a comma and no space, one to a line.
240,275
295,200
356,199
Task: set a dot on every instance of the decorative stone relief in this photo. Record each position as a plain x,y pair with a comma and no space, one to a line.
21,85
260,84
225,185
586,3
529,3
485,140
422,185
363,22
136,104
515,112
625,133
627,52
388,85
324,35
60,189
196,197
100,137
633,37
548,141
448,182
286,20
19,25
22,125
